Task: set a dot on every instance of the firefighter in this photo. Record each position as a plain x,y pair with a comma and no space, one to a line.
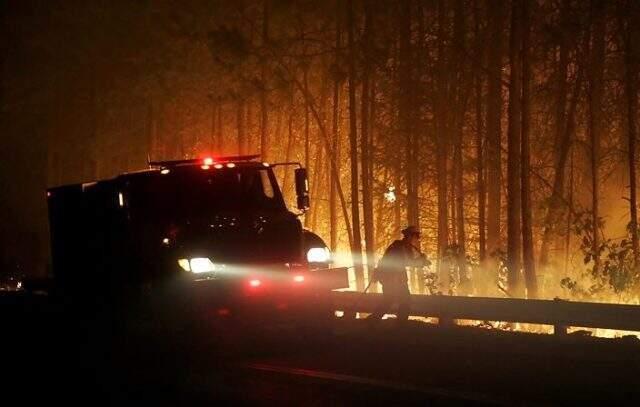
392,273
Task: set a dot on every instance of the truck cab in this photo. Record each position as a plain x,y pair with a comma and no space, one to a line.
217,228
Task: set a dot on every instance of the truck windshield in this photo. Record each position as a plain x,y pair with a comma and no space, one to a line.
195,192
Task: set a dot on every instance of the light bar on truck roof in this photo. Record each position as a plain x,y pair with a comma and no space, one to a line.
204,161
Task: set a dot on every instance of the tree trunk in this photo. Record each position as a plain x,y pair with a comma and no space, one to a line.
562,140
366,146
397,208
264,120
316,186
442,151
306,134
527,228
406,110
370,157
495,19
453,225
631,94
306,120
567,238
461,102
514,232
318,164
382,221
480,185
286,180
596,73
353,141
333,210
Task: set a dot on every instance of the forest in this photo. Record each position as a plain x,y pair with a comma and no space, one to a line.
505,130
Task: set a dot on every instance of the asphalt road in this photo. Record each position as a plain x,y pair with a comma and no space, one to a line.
354,362
342,362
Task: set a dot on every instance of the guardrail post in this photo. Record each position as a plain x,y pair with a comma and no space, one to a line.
559,329
446,322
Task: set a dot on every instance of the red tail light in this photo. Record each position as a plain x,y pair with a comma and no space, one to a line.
255,283
207,161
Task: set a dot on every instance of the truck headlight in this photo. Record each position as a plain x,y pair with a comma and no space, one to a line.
197,265
318,255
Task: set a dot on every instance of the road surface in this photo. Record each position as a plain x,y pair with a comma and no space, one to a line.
347,362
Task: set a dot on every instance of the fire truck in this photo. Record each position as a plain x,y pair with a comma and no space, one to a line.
214,232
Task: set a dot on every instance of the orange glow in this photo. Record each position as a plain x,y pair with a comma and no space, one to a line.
255,283
208,161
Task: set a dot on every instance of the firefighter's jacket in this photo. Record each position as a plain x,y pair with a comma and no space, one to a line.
392,267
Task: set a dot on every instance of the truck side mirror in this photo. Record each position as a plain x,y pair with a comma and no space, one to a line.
302,188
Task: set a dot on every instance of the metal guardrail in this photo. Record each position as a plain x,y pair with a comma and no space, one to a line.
559,313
